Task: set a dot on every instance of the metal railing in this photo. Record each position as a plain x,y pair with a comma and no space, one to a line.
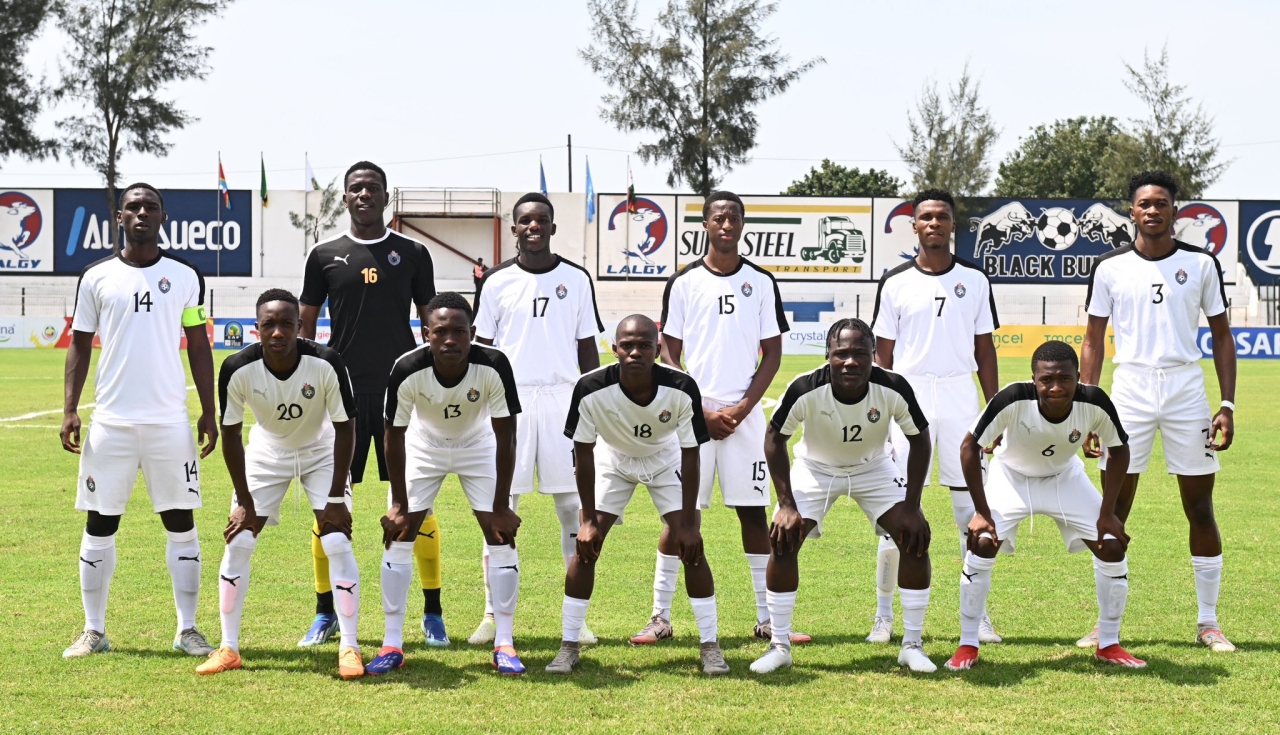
446,202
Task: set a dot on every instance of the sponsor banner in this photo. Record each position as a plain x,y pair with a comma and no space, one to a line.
232,333
805,338
893,242
1259,241
1212,226
42,331
639,246
215,239
26,231
11,332
1256,343
1021,340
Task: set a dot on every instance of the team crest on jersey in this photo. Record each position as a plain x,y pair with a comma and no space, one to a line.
873,414
960,291
1180,277
165,285
1075,436
561,291
393,258
664,417
90,484
473,395
746,288
308,391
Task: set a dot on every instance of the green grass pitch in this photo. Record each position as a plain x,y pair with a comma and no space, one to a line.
1042,601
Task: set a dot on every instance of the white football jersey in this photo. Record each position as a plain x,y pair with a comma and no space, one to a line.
840,437
933,317
293,410
1155,305
416,398
721,319
1037,447
137,312
601,408
538,318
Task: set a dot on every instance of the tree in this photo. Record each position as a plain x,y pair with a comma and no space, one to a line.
1063,159
122,53
834,180
695,83
1175,135
331,208
20,97
949,142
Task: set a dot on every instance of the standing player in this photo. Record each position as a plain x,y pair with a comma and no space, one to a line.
841,406
1036,470
371,275
457,403
1153,292
540,310
140,302
301,399
648,420
933,321
723,314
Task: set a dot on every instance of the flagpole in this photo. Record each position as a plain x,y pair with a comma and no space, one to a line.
218,205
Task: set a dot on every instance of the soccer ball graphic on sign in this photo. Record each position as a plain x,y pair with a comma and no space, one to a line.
1056,228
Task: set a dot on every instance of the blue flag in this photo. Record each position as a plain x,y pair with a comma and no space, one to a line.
591,195
542,178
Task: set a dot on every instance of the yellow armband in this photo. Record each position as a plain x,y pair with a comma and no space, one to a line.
193,316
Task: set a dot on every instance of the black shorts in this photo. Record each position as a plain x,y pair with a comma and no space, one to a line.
369,428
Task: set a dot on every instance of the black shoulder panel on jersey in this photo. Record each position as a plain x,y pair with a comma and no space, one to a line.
475,306
229,367
901,268
199,277
1008,395
331,356
899,385
79,280
666,292
1217,267
991,294
684,382
589,383
495,358
799,386
1088,295
419,358
777,298
591,286
1094,395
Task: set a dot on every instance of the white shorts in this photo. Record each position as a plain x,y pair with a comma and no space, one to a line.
951,407
876,487
270,469
540,440
112,456
1172,400
739,462
473,459
617,476
1069,498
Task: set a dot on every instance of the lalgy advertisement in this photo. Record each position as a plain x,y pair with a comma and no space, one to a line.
26,231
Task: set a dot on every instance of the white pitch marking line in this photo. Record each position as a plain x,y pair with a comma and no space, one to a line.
37,414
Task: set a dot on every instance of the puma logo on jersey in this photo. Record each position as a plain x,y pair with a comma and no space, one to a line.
262,393
1025,425
349,590
759,489
93,564
192,558
229,580
343,258
829,414
193,490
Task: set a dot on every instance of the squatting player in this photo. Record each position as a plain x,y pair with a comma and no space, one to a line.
1044,423
846,408
933,320
540,310
723,315
451,408
1152,292
646,420
301,398
370,276
140,302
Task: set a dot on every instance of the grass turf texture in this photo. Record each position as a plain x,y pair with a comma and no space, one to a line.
1042,601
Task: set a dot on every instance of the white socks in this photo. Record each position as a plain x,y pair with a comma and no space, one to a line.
914,605
704,612
233,585
1208,571
780,606
97,564
1112,581
182,555
488,594
574,614
567,506
975,585
665,575
504,581
397,573
887,558
759,564
344,577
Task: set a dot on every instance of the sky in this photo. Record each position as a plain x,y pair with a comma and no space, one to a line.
469,94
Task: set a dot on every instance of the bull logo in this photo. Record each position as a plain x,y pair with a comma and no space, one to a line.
20,222
1010,223
1180,277
648,228
1201,226
1101,223
1075,436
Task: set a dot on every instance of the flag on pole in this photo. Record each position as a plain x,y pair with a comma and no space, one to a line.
591,195
222,184
263,192
311,184
631,189
542,177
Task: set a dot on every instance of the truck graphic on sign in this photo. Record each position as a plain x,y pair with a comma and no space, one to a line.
839,240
